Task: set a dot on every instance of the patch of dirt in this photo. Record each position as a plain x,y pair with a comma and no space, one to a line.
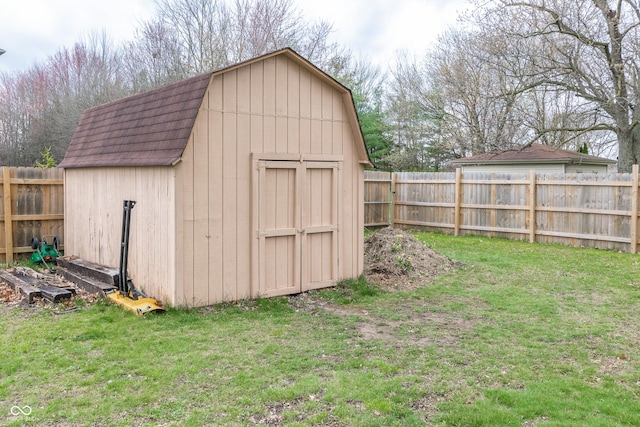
273,414
446,329
535,422
395,259
612,365
428,404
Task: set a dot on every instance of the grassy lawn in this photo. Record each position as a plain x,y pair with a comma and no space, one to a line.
523,335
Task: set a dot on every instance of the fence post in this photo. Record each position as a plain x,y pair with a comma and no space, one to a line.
392,219
457,202
532,206
8,220
634,210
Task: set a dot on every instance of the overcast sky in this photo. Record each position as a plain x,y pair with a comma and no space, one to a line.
32,30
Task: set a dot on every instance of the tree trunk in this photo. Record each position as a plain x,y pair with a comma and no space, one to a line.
628,148
625,156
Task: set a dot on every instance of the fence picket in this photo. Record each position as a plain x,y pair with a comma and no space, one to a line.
32,206
593,210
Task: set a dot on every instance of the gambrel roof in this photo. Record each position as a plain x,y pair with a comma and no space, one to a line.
153,128
147,129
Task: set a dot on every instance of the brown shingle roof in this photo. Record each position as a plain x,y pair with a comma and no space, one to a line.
534,153
148,129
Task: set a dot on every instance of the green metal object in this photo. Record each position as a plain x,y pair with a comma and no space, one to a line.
45,252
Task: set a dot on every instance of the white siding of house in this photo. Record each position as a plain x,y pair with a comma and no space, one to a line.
586,169
522,168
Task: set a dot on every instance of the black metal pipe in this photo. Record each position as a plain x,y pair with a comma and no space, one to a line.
124,285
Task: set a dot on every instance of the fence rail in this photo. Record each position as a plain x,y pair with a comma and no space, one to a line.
32,206
591,210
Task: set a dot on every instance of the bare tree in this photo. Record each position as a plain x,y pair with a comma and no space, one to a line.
456,101
41,107
587,48
214,33
155,57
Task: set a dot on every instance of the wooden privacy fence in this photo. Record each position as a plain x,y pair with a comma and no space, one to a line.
378,188
591,210
32,206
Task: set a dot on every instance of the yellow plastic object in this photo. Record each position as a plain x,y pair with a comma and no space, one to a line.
139,306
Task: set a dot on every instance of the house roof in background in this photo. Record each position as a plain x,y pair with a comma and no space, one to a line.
535,153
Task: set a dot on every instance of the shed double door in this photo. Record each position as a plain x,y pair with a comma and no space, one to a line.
297,225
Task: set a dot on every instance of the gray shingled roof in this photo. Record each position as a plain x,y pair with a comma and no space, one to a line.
533,154
148,129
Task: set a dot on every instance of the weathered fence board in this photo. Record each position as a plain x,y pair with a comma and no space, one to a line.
32,206
591,210
377,200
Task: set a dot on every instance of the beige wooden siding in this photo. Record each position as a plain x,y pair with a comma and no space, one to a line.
274,106
93,222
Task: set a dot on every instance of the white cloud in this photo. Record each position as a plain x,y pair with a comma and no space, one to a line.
379,28
31,30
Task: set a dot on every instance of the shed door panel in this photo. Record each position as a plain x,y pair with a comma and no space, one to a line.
278,222
297,226
320,222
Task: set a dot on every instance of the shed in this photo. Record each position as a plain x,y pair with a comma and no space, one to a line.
249,182
538,157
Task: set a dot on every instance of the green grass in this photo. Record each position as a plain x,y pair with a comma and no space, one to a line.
522,335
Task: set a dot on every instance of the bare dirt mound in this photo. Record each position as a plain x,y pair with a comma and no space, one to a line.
395,259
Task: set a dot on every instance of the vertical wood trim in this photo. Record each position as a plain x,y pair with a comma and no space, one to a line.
216,190
293,90
68,237
175,230
634,210
355,173
316,99
243,206
201,242
457,202
255,228
532,206
243,91
257,91
336,179
305,94
229,207
8,220
188,220
261,212
301,235
281,86
269,87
